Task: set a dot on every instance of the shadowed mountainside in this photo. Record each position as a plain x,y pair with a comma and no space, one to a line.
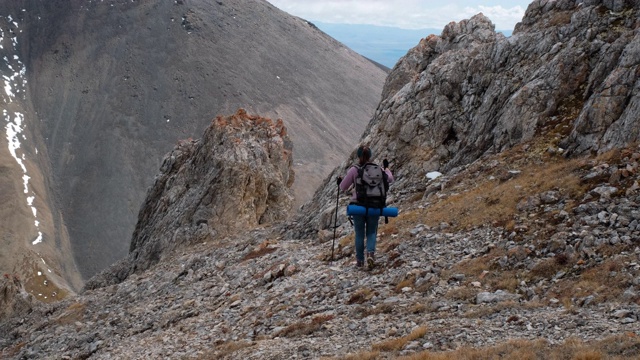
113,85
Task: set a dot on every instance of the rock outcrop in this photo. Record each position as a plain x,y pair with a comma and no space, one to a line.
237,177
570,68
14,299
568,74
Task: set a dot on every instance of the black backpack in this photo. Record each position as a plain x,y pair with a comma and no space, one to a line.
371,186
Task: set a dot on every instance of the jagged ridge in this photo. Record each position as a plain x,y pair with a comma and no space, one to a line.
566,75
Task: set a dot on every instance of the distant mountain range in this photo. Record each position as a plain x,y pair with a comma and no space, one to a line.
382,44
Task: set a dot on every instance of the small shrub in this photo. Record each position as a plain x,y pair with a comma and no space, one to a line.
360,296
462,293
75,312
378,309
562,259
408,282
258,253
226,349
508,284
545,268
399,343
481,311
418,308
347,240
305,328
366,355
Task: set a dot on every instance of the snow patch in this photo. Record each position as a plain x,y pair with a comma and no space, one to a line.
16,84
38,240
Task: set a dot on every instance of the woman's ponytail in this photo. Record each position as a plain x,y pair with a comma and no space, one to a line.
364,154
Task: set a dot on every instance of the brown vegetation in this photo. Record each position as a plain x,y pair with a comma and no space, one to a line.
305,328
43,288
399,343
491,201
613,348
260,250
360,296
225,349
75,312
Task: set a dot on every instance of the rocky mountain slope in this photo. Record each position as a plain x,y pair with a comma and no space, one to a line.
103,88
35,244
525,247
439,287
568,75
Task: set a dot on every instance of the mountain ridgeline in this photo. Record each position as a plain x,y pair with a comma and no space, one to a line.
568,74
100,90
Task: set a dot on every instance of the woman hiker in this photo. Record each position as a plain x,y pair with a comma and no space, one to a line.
365,225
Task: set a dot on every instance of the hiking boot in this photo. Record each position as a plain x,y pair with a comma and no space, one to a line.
371,260
359,263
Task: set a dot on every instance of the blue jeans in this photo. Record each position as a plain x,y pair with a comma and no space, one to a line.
365,225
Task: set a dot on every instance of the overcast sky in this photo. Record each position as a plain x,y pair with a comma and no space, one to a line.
406,14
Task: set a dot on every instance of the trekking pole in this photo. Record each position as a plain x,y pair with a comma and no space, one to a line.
335,223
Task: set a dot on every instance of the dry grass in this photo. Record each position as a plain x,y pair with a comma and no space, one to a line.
225,349
507,280
260,250
385,231
605,281
614,348
258,253
408,282
471,198
462,293
367,355
485,270
378,309
494,201
43,288
546,268
473,268
360,296
508,283
418,308
481,311
347,240
304,328
73,313
399,343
